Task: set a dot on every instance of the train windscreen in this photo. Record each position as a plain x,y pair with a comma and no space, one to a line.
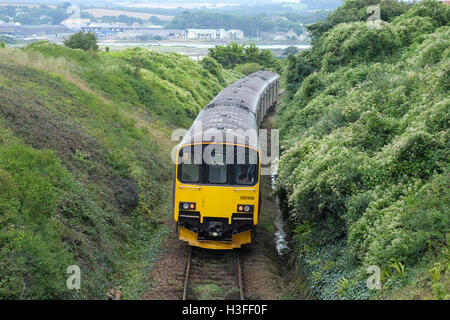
246,167
218,164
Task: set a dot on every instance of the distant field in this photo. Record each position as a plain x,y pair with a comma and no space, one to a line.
29,5
98,13
187,5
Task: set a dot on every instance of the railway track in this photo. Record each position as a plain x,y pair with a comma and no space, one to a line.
213,275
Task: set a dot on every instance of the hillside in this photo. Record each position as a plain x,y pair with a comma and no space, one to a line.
365,135
85,164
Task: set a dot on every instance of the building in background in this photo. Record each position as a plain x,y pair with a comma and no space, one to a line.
32,31
210,34
235,34
213,34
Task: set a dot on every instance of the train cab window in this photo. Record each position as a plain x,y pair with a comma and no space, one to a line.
217,174
235,166
190,172
217,168
190,165
246,168
246,174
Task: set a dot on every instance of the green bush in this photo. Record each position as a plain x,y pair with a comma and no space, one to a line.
83,41
213,67
33,257
438,12
356,10
414,29
298,68
436,48
416,153
356,43
403,224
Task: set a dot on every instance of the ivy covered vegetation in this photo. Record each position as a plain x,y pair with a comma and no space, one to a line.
365,136
85,164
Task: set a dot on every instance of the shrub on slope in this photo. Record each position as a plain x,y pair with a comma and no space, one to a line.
365,156
172,87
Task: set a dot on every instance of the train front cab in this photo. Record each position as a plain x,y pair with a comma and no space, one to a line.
216,206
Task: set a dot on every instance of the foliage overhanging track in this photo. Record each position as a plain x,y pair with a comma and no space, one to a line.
219,269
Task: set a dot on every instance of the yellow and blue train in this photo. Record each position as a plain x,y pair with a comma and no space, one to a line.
216,191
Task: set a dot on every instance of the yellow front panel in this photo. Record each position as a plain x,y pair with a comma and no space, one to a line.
216,201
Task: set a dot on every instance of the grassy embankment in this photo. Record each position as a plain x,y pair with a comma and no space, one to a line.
364,170
85,166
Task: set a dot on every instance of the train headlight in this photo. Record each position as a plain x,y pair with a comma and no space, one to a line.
247,208
187,205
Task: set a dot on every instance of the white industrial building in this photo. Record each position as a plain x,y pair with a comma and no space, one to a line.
204,34
213,34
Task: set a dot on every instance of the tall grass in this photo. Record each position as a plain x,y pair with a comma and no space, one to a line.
57,65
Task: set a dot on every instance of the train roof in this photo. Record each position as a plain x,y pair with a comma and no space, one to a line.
223,124
232,112
237,96
256,83
269,76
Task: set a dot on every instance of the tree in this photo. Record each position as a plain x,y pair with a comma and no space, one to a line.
2,45
267,60
233,54
83,41
290,50
252,53
228,56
